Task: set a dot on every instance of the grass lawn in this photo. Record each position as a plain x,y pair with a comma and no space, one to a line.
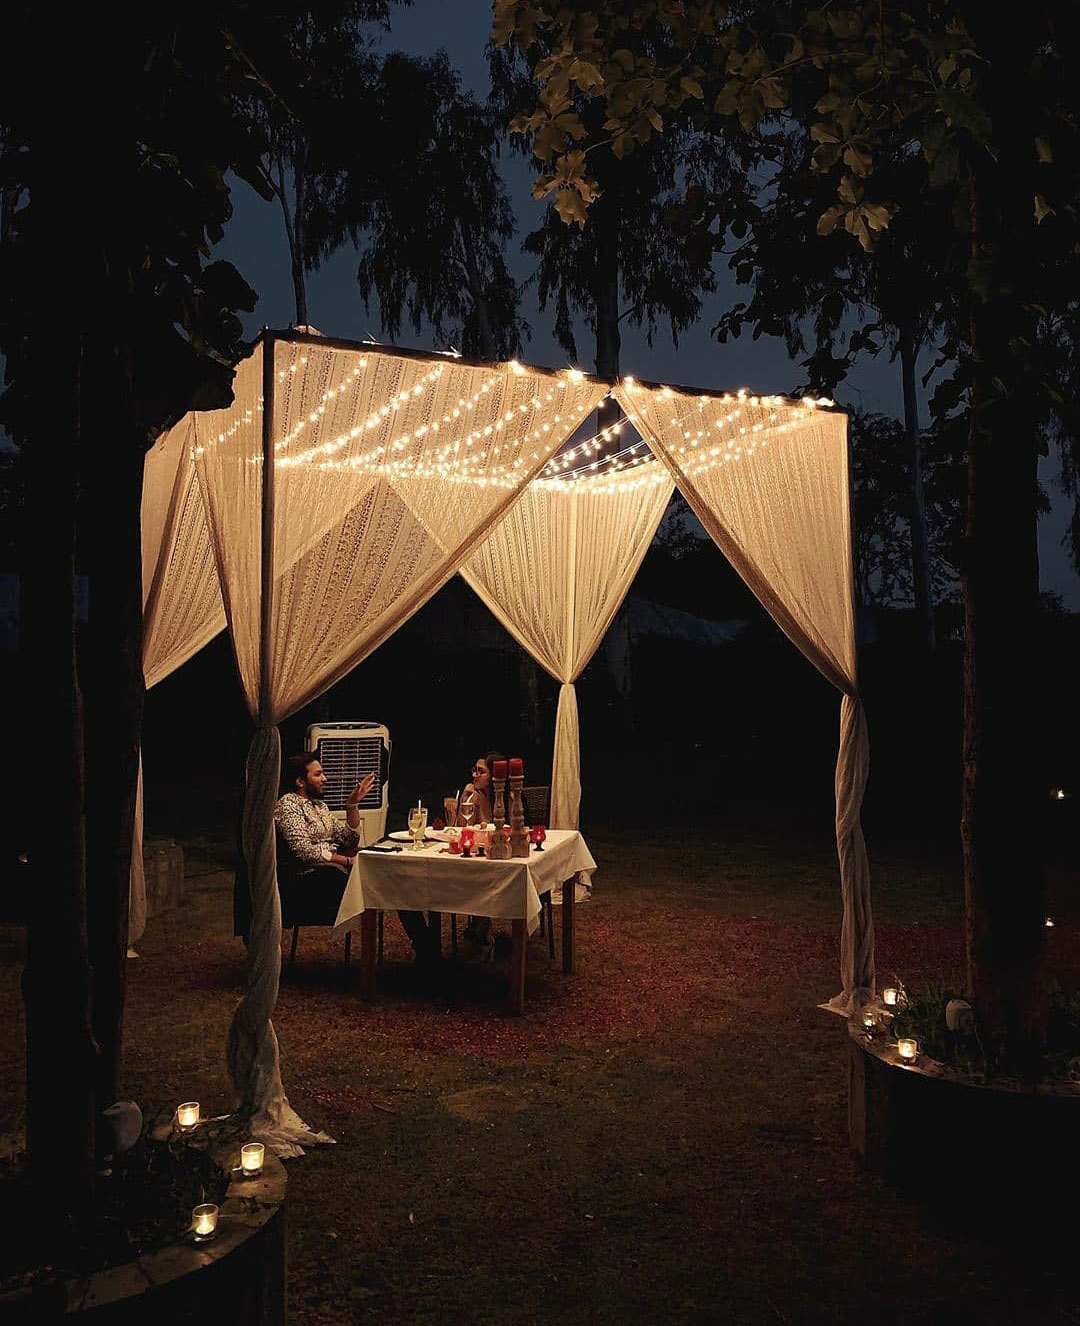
661,1137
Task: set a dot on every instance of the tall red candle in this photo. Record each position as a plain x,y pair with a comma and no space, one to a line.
498,769
517,769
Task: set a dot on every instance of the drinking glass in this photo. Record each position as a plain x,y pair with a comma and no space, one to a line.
418,825
468,811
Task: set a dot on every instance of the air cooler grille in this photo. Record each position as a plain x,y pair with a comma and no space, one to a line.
345,760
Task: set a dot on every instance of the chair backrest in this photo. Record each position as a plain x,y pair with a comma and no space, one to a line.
537,804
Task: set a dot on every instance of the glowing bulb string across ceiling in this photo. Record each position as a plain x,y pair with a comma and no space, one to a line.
470,454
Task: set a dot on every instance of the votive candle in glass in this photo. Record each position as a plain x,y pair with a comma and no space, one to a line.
187,1115
204,1221
869,1023
907,1047
890,996
251,1159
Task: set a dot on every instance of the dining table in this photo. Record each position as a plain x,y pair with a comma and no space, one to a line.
433,879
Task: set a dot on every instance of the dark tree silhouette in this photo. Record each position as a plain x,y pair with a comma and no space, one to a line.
419,191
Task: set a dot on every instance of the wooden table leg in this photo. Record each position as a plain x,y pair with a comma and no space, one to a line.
569,890
368,925
517,966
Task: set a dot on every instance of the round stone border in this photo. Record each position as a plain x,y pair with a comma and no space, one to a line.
237,1277
927,1126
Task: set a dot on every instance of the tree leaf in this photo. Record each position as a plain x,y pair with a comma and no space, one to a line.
570,206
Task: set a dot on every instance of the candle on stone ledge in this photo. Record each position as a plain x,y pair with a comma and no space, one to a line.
908,1049
517,768
204,1221
187,1115
890,996
498,769
251,1159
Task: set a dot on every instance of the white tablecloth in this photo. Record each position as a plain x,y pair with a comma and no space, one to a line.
432,880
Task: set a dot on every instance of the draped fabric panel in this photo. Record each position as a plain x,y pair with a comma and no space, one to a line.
181,596
554,572
768,479
381,470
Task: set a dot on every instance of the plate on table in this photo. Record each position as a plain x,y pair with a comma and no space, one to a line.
404,836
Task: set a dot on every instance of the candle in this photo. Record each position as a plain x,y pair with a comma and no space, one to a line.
187,1115
204,1221
251,1159
468,841
498,769
890,996
517,769
908,1049
869,1023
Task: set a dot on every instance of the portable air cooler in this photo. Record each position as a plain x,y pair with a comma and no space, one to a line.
347,753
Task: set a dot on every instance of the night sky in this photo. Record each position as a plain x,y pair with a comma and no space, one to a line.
256,244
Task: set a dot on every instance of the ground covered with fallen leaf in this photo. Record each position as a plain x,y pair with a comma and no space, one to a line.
662,1137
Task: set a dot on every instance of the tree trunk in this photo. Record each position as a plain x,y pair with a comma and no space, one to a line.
920,546
299,267
113,680
296,260
1003,876
603,217
488,348
60,1052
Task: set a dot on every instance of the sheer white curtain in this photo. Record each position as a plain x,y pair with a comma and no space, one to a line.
769,481
386,468
182,608
554,572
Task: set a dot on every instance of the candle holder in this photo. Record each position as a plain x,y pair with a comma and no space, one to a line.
907,1048
536,836
468,841
187,1116
497,848
519,841
252,1155
204,1220
869,1023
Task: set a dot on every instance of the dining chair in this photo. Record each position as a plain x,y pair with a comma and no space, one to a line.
299,909
536,802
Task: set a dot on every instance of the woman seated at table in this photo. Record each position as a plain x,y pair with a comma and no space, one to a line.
477,939
477,794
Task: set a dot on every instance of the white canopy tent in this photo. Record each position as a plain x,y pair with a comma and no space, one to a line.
348,482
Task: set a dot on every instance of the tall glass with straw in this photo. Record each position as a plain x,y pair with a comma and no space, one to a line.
418,825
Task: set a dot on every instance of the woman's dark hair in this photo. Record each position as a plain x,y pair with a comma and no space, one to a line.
490,758
296,766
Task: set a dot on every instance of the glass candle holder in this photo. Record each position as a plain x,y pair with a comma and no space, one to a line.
869,1024
890,997
187,1115
907,1047
251,1159
204,1220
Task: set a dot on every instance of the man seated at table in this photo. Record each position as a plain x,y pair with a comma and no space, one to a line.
322,848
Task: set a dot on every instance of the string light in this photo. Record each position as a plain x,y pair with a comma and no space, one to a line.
495,453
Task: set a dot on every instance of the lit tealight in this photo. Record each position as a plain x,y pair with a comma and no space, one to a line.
251,1159
187,1115
890,997
1058,794
1049,922
907,1047
869,1023
204,1220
